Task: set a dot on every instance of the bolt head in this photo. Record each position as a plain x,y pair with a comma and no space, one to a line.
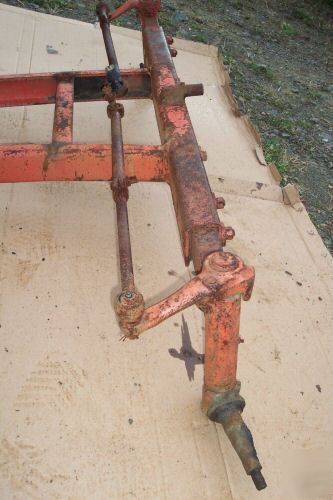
229,233
127,297
220,202
204,155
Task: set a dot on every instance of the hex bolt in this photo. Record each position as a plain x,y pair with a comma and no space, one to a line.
229,233
203,155
127,297
220,202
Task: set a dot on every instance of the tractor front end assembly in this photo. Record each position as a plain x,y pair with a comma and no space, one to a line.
221,279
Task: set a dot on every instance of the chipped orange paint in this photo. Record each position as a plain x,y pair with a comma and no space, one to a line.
89,162
165,78
178,117
221,346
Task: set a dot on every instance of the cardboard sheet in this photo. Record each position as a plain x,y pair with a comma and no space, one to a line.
85,416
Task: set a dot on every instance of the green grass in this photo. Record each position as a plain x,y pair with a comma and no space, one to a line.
314,94
228,60
200,37
262,69
53,4
285,125
303,15
274,153
306,125
288,29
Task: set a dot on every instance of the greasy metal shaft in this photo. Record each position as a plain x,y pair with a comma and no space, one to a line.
113,71
102,11
120,194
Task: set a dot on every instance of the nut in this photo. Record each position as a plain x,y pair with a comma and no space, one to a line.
227,233
220,202
129,308
115,107
203,155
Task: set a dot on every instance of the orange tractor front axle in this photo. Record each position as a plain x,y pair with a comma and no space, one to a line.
221,279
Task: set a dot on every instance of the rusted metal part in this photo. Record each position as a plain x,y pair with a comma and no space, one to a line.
41,88
219,202
124,243
79,162
226,408
130,303
119,186
129,308
63,113
192,197
223,276
117,84
221,345
222,279
144,7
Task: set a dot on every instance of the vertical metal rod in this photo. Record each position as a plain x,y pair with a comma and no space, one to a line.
120,194
102,11
113,71
63,112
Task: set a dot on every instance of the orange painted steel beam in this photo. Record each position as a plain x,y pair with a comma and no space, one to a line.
78,162
41,88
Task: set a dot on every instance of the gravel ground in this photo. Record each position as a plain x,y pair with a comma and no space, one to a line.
279,56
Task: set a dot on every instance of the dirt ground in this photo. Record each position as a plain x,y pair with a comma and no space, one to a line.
279,56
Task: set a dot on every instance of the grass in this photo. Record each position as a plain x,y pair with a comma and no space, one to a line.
285,125
262,69
228,60
270,95
53,5
303,15
288,29
275,153
304,124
